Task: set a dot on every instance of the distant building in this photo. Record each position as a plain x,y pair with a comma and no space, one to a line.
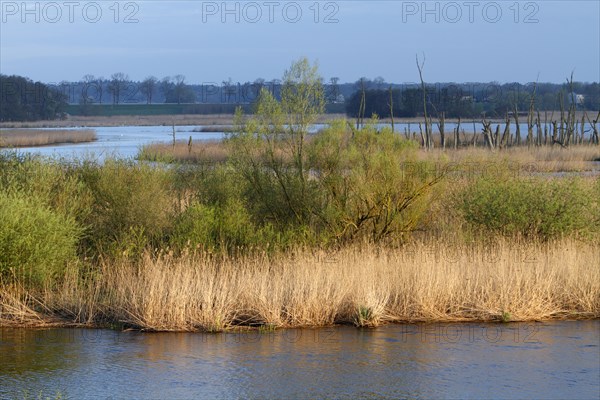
579,99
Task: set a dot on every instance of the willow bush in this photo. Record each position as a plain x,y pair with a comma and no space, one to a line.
340,184
540,207
36,243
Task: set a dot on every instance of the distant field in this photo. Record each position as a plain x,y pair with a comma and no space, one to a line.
168,109
35,137
107,110
141,120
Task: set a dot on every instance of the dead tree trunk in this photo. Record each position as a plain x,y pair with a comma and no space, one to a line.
487,134
506,133
518,132
428,140
441,128
456,134
391,104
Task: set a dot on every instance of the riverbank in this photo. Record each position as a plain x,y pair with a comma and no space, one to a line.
141,120
582,158
426,281
367,230
44,137
217,120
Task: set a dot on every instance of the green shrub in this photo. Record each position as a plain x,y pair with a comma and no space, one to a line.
531,207
368,183
36,243
195,227
54,183
226,227
132,204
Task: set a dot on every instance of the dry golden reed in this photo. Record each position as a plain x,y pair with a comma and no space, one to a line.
36,137
535,159
508,280
209,151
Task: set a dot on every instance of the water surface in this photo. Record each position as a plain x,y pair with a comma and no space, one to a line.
559,360
121,141
126,141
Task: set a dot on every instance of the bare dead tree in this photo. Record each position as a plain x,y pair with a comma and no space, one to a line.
360,119
456,134
518,128
441,128
571,113
428,140
531,117
391,105
594,139
506,133
487,133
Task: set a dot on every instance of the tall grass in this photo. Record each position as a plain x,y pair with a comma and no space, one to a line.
535,159
44,137
423,281
185,152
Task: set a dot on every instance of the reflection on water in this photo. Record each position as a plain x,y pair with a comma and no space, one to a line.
553,360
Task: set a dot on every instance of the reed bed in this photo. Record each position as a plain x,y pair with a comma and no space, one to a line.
44,137
505,280
542,159
537,159
189,152
140,120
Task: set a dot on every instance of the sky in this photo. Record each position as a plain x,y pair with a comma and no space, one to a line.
212,41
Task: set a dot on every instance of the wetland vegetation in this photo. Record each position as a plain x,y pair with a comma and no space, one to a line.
276,227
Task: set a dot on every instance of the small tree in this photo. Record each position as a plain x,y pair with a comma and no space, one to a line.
302,101
180,87
90,84
270,149
117,85
166,87
147,88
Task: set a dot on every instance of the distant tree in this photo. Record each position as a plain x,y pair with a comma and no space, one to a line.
245,92
86,81
21,99
364,83
379,82
333,91
91,90
257,86
229,90
166,87
100,81
175,90
117,85
147,87
180,87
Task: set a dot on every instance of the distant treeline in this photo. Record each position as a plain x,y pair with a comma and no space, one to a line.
25,100
22,99
109,110
470,100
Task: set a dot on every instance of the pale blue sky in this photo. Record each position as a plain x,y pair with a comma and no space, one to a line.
370,38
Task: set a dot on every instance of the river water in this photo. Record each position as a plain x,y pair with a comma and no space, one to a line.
120,142
126,141
557,360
